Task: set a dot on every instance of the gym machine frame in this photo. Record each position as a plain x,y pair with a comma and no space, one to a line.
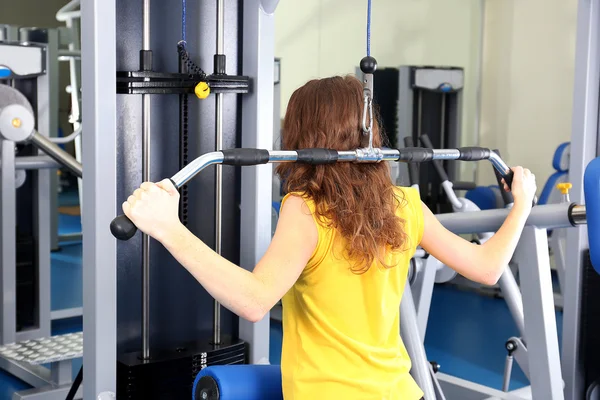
18,124
99,57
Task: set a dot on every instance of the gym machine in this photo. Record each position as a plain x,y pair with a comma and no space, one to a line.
136,299
113,169
26,189
223,382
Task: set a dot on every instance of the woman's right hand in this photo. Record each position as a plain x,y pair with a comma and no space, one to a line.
523,187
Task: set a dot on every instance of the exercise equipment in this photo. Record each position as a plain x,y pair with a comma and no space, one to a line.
248,382
560,163
112,280
591,182
122,228
28,115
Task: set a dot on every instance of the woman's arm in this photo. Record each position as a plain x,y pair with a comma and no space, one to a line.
153,208
482,263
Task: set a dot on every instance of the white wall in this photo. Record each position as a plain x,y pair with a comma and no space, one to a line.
319,38
527,88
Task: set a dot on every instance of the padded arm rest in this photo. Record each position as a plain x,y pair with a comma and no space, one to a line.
238,382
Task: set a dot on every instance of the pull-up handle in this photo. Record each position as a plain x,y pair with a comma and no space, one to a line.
439,167
122,228
413,168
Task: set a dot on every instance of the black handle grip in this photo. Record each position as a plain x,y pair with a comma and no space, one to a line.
473,153
122,228
242,157
415,154
317,156
439,167
506,196
508,179
413,168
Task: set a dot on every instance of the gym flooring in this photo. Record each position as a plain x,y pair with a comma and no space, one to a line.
466,332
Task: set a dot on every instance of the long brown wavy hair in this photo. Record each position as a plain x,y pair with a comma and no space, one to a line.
358,200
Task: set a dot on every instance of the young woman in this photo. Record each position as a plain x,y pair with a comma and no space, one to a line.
339,257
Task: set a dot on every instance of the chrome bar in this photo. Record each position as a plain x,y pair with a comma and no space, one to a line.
194,167
578,215
146,25
281,156
359,155
446,154
58,154
146,178
499,164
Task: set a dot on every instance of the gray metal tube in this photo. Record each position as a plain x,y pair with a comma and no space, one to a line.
512,296
146,178
58,154
550,216
409,331
507,372
36,162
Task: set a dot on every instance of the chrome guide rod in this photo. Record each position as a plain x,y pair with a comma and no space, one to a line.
146,178
219,168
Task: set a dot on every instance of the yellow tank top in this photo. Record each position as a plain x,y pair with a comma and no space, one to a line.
341,330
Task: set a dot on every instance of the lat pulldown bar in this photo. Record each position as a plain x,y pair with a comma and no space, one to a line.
123,229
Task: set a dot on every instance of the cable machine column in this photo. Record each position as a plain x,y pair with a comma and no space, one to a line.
219,62
146,65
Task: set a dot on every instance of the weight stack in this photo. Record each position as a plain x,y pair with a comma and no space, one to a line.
590,322
169,374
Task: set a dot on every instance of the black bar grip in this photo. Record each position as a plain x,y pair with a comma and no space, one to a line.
415,154
473,153
506,196
413,168
242,157
439,166
122,228
317,156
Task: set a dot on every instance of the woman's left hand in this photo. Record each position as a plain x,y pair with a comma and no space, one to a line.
154,209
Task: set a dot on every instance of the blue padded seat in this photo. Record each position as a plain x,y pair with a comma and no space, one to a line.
560,163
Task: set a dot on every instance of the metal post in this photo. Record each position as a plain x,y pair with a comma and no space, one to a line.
540,319
583,149
98,64
409,331
512,296
219,168
146,178
9,241
75,77
46,194
257,132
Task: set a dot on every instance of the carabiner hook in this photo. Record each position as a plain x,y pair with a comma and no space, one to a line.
368,108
